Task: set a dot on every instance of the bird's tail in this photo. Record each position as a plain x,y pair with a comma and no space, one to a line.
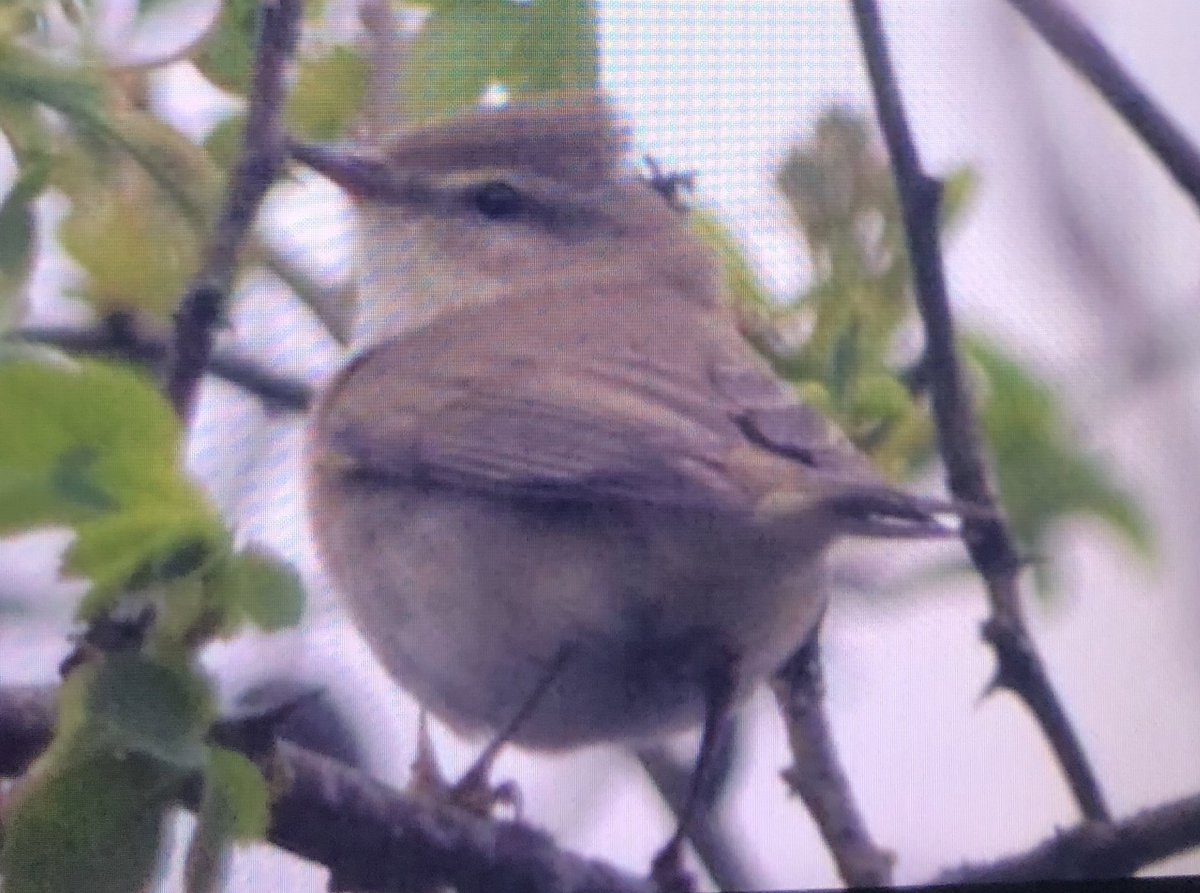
877,510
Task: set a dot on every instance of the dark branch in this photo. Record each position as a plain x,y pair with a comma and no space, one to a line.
816,774
988,539
119,338
26,725
1094,850
262,157
1082,50
370,837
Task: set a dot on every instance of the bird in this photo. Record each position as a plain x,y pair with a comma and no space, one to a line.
555,481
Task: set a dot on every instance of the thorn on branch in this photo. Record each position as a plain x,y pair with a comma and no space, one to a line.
988,540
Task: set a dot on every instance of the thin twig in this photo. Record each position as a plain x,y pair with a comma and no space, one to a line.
816,774
988,539
714,844
1082,50
262,157
120,341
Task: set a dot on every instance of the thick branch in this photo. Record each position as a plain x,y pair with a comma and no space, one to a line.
262,157
370,837
1083,51
121,339
988,539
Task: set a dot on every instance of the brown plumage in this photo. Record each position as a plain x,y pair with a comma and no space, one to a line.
568,444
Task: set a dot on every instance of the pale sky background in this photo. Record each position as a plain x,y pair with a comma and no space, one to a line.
724,88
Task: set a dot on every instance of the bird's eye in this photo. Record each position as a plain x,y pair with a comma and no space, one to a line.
497,200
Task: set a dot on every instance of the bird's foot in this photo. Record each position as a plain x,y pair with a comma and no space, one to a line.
473,793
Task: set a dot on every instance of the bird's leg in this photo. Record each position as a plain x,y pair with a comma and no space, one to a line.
667,870
474,791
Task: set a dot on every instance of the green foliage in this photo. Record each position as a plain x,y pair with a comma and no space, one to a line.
90,815
93,821
539,47
225,140
328,94
136,704
1042,472
142,194
227,56
17,241
849,320
96,448
138,252
27,77
232,808
259,588
838,341
238,794
741,280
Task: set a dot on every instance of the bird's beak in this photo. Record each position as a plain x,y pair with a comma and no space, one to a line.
360,175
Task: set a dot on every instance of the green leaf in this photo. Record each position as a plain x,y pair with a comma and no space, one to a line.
139,705
178,167
224,142
137,251
182,171
137,548
1043,472
958,189
241,791
96,448
234,807
261,588
559,49
138,216
227,57
740,278
26,77
74,440
544,46
17,242
328,94
87,821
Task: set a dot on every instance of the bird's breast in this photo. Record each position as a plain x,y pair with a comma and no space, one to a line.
469,600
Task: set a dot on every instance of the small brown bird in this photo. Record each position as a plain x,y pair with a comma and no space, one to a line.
565,471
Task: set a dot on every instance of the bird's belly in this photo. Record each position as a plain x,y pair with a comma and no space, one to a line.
471,602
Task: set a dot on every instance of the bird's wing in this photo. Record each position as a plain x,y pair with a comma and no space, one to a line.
526,401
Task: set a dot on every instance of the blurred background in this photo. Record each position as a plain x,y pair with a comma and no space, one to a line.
1074,252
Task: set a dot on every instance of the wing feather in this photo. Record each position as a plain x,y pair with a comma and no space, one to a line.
580,404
